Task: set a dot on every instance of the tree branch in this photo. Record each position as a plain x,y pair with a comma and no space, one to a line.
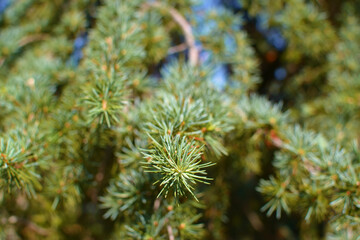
170,232
185,26
32,226
27,40
178,48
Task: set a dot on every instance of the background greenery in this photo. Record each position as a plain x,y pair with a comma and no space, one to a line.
179,119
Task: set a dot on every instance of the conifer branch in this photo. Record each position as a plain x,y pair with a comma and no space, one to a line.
178,161
108,110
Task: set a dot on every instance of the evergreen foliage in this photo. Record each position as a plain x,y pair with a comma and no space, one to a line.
113,124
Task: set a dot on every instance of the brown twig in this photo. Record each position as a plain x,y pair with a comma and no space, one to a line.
39,230
178,48
157,204
32,226
32,38
27,40
255,221
170,232
185,26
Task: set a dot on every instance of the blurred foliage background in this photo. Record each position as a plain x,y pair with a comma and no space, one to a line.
179,119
